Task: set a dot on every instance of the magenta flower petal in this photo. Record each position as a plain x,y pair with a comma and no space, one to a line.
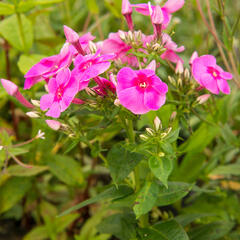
125,78
173,5
209,83
153,100
54,110
46,101
226,75
131,99
223,86
52,85
63,77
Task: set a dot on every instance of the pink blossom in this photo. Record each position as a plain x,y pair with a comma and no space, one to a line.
53,124
209,75
12,90
193,57
104,86
140,91
203,98
48,67
62,91
157,19
127,13
168,8
114,44
171,49
179,67
81,44
90,66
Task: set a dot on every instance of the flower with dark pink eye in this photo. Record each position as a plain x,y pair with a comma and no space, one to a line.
140,91
209,75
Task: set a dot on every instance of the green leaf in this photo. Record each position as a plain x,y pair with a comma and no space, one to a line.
25,62
111,193
6,9
213,231
66,169
92,6
19,171
37,233
12,191
46,2
168,230
174,192
18,31
161,167
63,222
172,136
121,226
190,167
230,169
121,162
146,198
200,138
228,135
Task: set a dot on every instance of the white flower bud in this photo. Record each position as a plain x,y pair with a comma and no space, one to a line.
117,102
187,73
1,148
143,137
33,114
157,123
122,35
92,47
203,98
150,131
36,103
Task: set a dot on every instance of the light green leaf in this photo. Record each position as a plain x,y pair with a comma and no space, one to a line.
146,198
19,171
25,62
230,169
174,192
18,31
6,9
46,2
37,233
161,167
63,222
66,169
12,191
168,230
92,6
121,162
110,193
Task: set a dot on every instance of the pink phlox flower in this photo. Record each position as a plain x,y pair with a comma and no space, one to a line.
114,44
171,49
104,86
157,19
13,90
90,66
48,67
127,13
62,91
209,75
140,91
168,8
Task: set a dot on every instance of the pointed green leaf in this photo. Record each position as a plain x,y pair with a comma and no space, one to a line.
6,9
168,230
16,170
110,193
146,198
230,169
121,162
161,167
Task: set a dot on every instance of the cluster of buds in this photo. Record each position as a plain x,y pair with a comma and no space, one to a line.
156,131
133,39
156,47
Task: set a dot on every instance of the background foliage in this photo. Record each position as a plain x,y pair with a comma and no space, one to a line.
202,198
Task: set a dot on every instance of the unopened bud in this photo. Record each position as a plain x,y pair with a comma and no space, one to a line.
92,47
161,154
1,148
173,116
179,81
193,57
53,124
179,67
33,114
130,36
157,123
117,102
168,130
163,135
172,80
89,91
122,35
36,103
203,98
150,131
143,137
186,73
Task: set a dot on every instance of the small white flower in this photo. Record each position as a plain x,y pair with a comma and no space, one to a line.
40,134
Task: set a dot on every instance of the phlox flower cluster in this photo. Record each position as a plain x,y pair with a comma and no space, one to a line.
83,65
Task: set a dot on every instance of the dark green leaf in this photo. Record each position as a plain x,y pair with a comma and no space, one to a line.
121,162
110,193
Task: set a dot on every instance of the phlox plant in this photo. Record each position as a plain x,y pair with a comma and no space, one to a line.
151,110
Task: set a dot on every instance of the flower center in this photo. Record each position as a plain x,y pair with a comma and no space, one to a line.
59,93
214,72
142,84
87,65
